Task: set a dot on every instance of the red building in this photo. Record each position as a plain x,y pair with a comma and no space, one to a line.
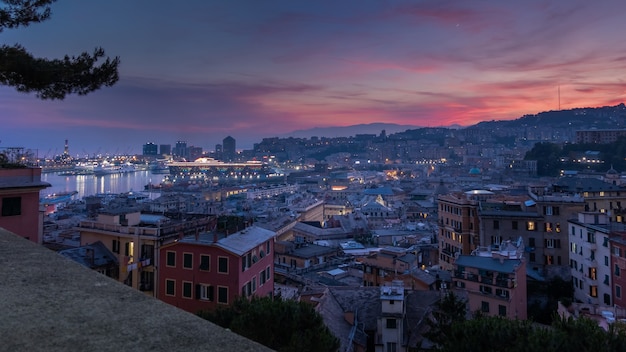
204,271
19,201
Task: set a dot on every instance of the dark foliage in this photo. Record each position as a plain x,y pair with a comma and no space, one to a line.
49,78
280,325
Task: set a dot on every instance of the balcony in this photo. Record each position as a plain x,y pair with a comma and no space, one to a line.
591,262
56,304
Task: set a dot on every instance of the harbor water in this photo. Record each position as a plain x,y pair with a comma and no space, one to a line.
88,185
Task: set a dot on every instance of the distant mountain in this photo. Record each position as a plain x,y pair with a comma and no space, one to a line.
350,131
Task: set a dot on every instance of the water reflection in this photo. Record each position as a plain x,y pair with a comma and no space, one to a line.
88,185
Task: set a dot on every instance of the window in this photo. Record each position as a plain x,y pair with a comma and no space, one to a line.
254,284
391,323
115,247
617,251
187,289
502,310
188,261
206,292
484,307
267,247
606,279
606,260
605,241
531,241
557,227
170,287
514,225
11,206
618,291
222,294
496,225
204,262
547,227
171,259
531,226
267,273
222,263
617,271
262,278
593,291
531,257
391,347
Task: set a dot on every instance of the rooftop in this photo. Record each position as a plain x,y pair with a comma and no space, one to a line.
50,303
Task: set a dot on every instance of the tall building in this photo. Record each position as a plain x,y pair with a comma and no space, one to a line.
150,149
590,258
165,149
229,148
181,150
218,152
19,201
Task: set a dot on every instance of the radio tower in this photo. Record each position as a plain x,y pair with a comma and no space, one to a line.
66,151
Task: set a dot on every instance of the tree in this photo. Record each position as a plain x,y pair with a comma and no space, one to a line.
280,325
501,334
548,157
49,79
449,310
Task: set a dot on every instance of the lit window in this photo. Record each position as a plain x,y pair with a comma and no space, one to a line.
530,226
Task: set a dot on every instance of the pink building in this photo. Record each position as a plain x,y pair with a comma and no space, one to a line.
19,201
202,272
495,281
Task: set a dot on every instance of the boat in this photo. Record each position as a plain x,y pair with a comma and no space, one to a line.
56,198
108,169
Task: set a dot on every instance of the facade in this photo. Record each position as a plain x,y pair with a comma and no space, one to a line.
181,150
618,268
390,322
395,264
20,212
495,280
599,195
150,149
229,149
590,258
165,149
598,136
135,240
203,272
458,224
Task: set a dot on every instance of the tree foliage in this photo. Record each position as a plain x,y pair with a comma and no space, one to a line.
280,325
501,334
548,157
49,78
449,310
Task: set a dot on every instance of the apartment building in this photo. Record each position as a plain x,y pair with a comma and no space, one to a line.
458,224
495,280
590,258
204,271
135,240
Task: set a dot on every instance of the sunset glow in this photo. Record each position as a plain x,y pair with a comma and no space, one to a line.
253,69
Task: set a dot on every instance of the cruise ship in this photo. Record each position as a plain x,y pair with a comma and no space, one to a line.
207,170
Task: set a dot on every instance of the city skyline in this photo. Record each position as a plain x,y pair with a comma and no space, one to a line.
211,69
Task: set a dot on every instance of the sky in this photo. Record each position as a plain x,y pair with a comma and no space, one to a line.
201,70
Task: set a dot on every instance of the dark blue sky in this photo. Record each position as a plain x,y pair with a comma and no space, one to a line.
201,70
